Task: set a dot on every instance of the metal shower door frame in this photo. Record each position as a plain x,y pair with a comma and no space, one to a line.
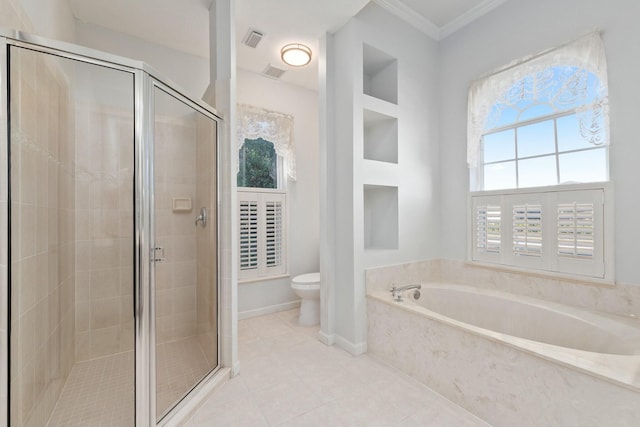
145,80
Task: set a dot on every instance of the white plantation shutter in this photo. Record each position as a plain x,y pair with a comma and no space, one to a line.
560,231
527,230
262,237
579,234
248,240
487,234
273,235
575,230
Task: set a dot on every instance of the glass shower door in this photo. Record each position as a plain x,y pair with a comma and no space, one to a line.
71,232
185,217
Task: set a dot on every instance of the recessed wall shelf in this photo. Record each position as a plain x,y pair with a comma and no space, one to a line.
380,137
380,217
380,74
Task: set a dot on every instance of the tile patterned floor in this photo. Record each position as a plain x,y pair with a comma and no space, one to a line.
97,393
180,366
289,379
100,392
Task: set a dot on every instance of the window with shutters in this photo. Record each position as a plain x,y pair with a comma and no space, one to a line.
261,241
261,212
538,155
559,231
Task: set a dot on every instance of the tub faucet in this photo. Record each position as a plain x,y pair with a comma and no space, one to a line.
396,291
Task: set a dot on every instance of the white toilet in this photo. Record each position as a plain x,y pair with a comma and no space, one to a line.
307,287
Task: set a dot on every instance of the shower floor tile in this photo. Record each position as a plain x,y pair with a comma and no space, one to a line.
289,379
180,365
97,393
100,392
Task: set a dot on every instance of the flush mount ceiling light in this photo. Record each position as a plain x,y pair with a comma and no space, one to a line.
295,54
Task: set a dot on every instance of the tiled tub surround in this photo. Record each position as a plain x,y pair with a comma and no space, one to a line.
504,379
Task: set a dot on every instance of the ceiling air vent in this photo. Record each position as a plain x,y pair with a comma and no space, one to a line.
273,72
252,38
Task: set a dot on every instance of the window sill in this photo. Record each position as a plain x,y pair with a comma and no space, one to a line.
565,277
546,189
263,279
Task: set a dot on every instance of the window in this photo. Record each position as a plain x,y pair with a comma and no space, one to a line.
265,160
258,164
543,121
538,153
261,210
262,234
548,150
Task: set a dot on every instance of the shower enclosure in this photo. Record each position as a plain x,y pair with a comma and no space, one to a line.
108,227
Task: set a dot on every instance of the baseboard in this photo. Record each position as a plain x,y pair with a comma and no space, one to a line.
355,349
326,339
235,370
268,310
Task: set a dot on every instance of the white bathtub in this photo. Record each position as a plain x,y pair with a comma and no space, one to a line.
530,318
512,360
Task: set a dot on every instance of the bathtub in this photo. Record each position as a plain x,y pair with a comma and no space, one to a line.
510,359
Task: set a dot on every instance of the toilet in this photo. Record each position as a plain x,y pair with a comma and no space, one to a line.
307,287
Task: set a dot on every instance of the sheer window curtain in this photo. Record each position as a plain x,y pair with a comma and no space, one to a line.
275,127
529,79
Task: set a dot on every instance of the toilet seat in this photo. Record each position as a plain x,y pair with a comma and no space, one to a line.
307,280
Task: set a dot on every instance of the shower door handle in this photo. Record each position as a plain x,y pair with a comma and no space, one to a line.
202,217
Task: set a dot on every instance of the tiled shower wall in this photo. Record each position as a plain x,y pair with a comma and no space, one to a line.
175,177
104,231
206,274
43,241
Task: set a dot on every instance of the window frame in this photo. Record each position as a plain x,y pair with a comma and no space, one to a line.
553,266
263,195
478,173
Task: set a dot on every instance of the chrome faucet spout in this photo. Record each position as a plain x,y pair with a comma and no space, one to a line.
396,291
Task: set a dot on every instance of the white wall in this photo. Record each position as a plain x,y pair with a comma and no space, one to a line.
190,72
52,18
416,174
303,194
512,31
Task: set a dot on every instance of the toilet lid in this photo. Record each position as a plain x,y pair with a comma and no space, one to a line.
307,279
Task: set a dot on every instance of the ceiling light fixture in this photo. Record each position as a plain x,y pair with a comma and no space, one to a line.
295,54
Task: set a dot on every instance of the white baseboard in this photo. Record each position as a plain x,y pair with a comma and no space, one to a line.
355,349
235,370
268,310
326,339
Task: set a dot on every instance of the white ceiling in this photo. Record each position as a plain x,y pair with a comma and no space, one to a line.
184,24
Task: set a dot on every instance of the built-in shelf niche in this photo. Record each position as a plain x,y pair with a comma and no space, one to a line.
380,217
380,74
380,140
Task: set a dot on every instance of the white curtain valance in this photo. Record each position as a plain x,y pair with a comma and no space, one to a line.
531,78
254,123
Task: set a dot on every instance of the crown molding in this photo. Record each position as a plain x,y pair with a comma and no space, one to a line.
409,15
468,17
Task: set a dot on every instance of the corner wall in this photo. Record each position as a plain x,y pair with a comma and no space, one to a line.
302,195
532,27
